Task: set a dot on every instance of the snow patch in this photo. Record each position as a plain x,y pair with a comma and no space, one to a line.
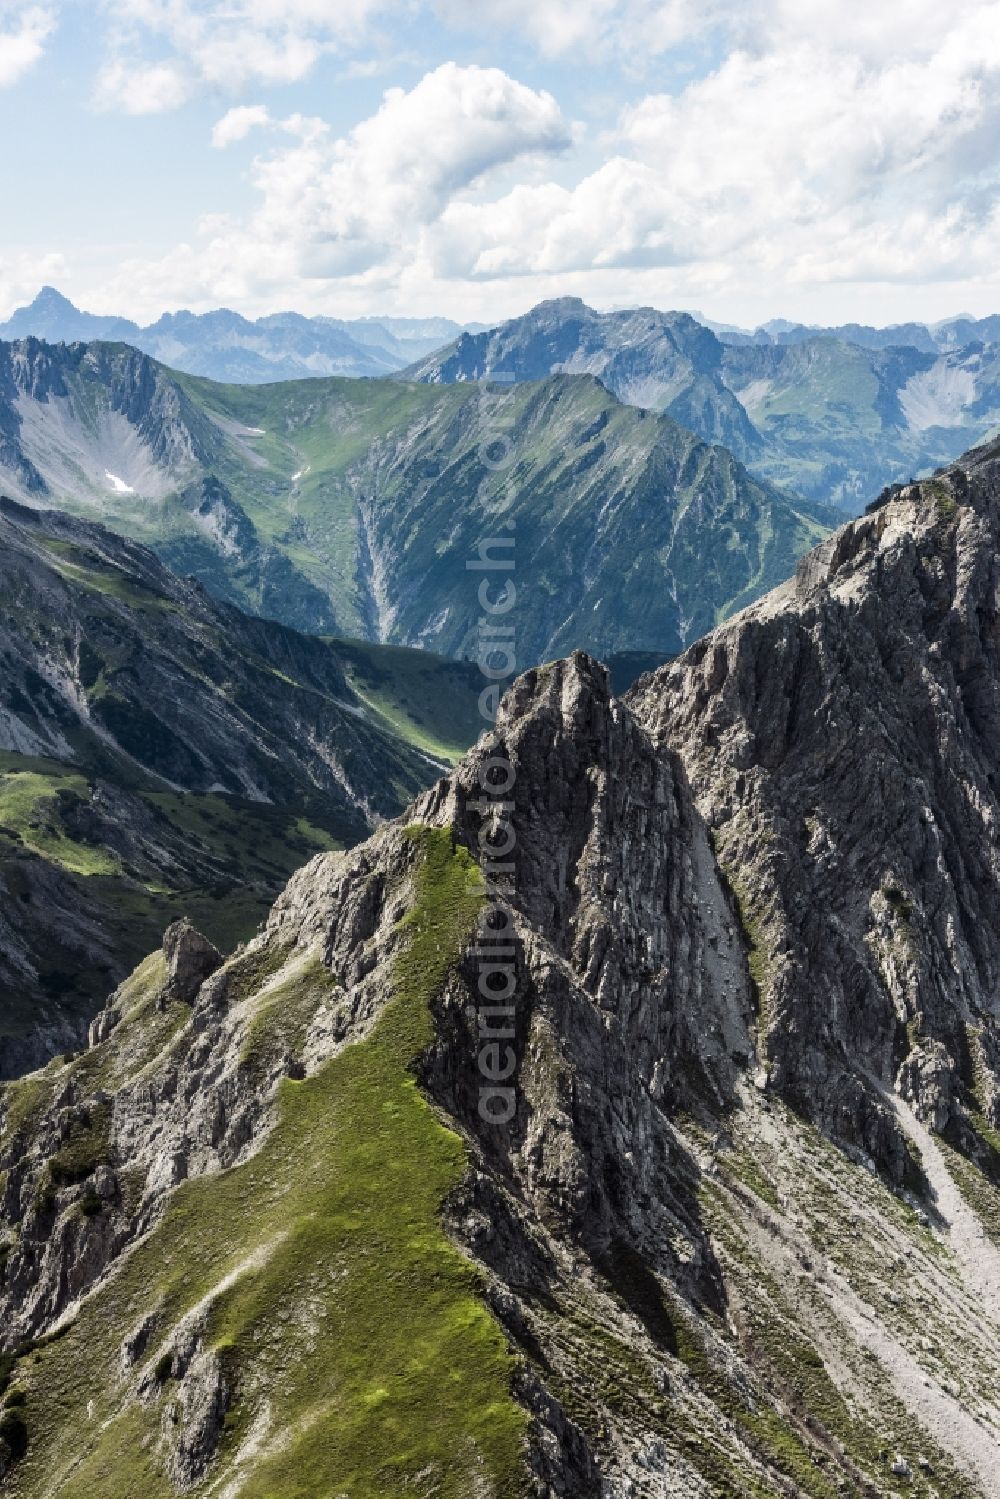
118,485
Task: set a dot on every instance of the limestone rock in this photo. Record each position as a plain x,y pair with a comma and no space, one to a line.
840,737
191,959
929,1080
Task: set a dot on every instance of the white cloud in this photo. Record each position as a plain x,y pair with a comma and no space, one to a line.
223,46
138,88
360,206
878,33
828,145
236,124
594,28
23,43
254,42
801,161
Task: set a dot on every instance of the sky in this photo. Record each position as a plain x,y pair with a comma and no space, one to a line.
820,160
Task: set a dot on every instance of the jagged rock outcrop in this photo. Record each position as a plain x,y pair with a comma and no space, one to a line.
613,865
190,958
841,739
741,924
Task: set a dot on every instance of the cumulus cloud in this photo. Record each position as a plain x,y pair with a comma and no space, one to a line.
236,124
799,159
361,205
825,144
142,88
22,40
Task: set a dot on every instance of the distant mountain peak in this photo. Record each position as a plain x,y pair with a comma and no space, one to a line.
560,303
50,297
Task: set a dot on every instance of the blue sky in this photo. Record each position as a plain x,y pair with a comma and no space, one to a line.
819,160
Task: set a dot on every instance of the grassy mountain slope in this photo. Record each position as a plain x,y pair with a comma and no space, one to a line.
401,1361
351,507
165,755
841,421
666,361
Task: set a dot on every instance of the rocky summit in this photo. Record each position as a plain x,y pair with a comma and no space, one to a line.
724,1221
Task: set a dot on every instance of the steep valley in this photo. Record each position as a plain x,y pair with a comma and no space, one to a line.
162,754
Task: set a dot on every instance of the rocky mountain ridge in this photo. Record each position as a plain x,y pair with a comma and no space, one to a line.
664,360
951,333
738,1236
839,737
832,413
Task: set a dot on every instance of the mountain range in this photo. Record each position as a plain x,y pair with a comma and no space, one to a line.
225,346
161,752
737,1233
832,413
929,338
353,506
826,414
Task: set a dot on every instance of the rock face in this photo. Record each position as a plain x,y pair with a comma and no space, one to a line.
191,959
841,740
617,872
736,1231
